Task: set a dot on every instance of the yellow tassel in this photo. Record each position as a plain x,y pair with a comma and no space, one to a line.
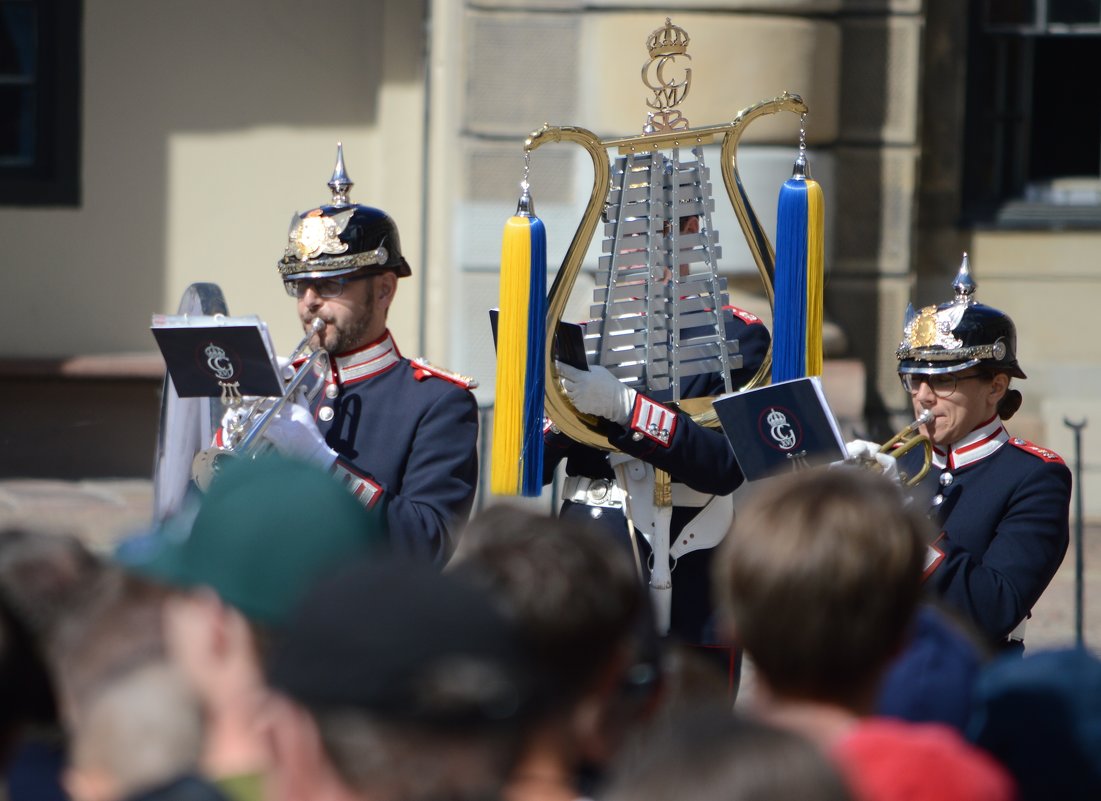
512,341
815,275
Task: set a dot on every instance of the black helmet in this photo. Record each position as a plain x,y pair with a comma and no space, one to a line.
959,334
341,238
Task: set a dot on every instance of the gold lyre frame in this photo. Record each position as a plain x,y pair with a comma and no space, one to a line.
582,427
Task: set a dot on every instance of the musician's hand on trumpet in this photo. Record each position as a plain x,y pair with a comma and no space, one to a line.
294,434
863,452
234,421
238,416
885,457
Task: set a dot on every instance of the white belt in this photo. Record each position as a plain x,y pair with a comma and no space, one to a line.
607,493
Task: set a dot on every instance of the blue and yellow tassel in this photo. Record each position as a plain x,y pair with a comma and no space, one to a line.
517,454
797,317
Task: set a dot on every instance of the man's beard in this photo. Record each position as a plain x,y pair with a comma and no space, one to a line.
337,339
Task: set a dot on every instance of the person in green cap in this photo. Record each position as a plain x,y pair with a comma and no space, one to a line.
264,534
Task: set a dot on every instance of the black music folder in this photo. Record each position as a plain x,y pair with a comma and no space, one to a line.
569,342
781,427
213,356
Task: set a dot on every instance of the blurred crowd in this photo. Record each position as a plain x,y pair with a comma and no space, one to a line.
270,644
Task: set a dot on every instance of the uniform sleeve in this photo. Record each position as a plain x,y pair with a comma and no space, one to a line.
440,480
692,454
753,341
697,456
998,589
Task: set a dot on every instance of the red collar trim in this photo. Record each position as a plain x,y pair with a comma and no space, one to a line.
984,441
368,361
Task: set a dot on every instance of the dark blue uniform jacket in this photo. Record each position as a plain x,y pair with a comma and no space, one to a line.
406,435
1004,524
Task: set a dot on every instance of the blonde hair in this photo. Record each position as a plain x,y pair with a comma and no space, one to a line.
141,729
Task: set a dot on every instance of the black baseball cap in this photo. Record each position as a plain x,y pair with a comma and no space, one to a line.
405,643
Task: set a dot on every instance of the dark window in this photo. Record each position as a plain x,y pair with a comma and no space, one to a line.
1033,120
40,102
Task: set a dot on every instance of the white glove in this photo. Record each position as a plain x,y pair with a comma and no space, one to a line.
861,450
596,391
286,369
235,416
294,434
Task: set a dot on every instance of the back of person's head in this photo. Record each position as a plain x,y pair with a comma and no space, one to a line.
139,730
118,629
43,578
819,579
417,685
583,614
576,597
1041,717
705,753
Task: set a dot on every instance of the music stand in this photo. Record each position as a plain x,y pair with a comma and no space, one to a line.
217,356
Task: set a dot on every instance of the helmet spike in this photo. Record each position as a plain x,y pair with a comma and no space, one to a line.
340,183
964,285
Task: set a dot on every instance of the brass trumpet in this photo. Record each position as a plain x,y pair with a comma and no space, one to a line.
249,431
906,440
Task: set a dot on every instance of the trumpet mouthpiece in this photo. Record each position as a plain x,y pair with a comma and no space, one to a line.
923,418
316,325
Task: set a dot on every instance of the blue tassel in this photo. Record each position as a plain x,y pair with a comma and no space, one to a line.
535,378
789,328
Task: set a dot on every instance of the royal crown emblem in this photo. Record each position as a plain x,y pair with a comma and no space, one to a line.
315,234
930,329
671,40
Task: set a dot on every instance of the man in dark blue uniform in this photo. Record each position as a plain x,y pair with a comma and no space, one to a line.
699,460
402,434
1001,503
650,436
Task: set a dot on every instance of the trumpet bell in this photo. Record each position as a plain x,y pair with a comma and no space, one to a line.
206,465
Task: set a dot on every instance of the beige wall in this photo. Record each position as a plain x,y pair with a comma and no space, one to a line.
205,125
1049,284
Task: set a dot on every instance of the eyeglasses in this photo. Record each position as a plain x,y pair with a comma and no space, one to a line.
942,384
322,287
